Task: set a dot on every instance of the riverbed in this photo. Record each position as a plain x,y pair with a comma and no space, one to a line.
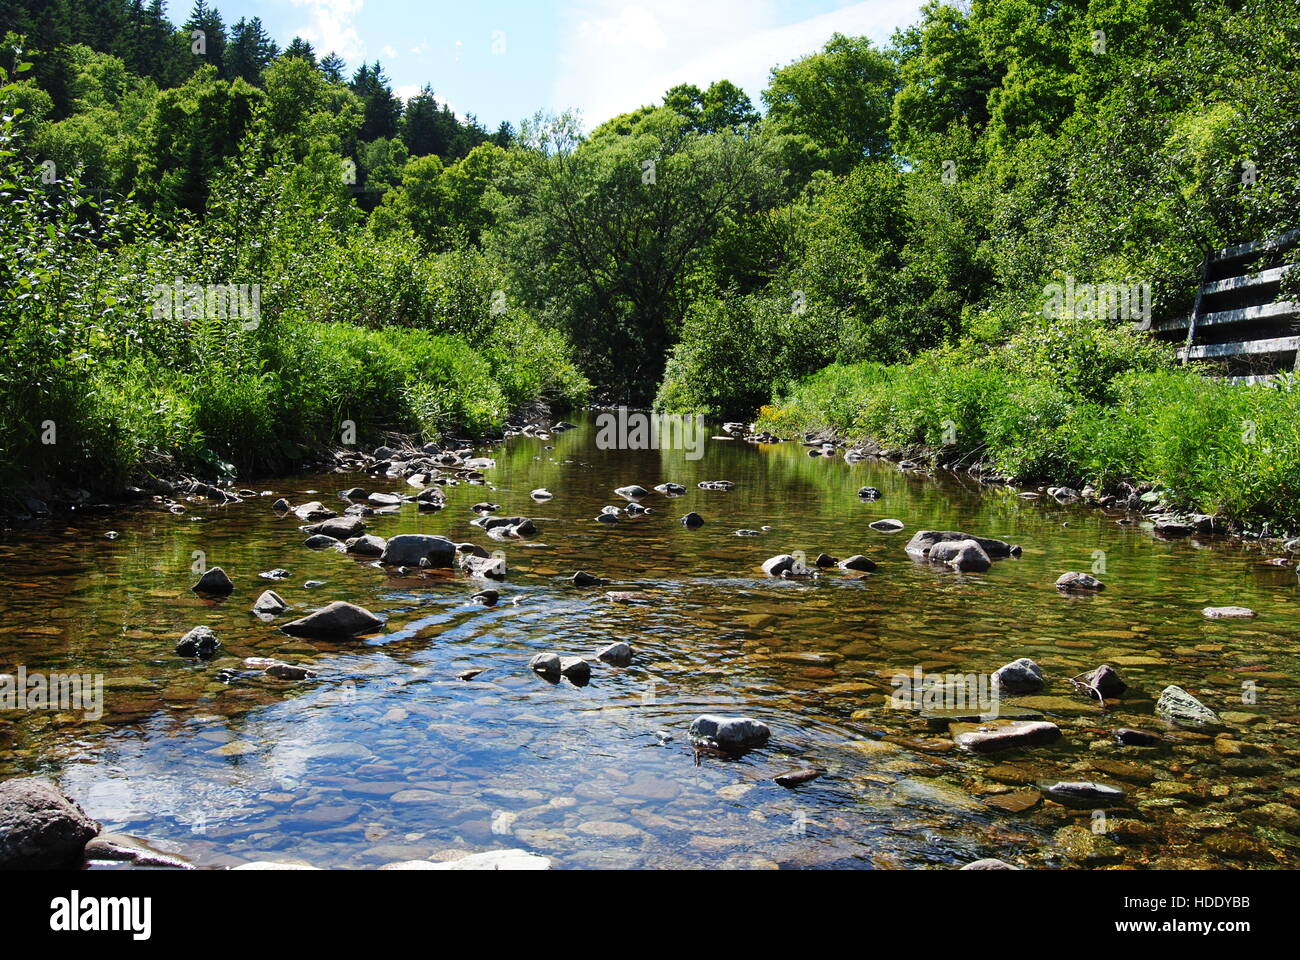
388,756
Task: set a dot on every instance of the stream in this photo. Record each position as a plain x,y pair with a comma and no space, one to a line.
388,756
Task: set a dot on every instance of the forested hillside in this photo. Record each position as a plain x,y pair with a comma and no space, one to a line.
870,249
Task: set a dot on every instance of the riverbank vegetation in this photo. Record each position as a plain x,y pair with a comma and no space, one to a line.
868,250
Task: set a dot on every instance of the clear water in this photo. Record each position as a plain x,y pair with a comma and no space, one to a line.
388,756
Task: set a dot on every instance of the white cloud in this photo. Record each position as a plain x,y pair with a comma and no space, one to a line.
620,55
389,52
331,29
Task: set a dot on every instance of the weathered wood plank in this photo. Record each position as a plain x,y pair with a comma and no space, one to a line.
1264,311
1240,348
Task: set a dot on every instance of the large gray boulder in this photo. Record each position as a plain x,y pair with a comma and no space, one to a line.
340,528
40,828
408,549
965,556
924,540
729,733
335,620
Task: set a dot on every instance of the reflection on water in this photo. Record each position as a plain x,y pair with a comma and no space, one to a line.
389,756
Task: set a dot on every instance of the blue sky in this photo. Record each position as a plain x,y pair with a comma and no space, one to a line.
507,59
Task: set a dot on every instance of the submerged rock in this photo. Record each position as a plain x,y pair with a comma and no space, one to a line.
729,733
793,778
1179,707
1126,736
322,542
1228,613
337,619
1084,794
40,828
199,643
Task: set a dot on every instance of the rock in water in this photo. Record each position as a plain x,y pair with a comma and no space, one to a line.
270,602
857,562
367,545
1228,613
408,549
1076,582
989,864
1104,679
1019,676
618,654
692,521
964,556
546,664
1085,794
729,733
542,493
886,526
40,828
1179,707
1021,733
337,619
1129,737
793,778
214,582
576,669
869,493
784,564
924,540
340,528
199,643
671,489
633,491
581,579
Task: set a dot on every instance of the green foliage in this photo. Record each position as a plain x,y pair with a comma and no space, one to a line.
839,97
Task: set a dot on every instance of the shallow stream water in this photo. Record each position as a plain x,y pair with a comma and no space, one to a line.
388,756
